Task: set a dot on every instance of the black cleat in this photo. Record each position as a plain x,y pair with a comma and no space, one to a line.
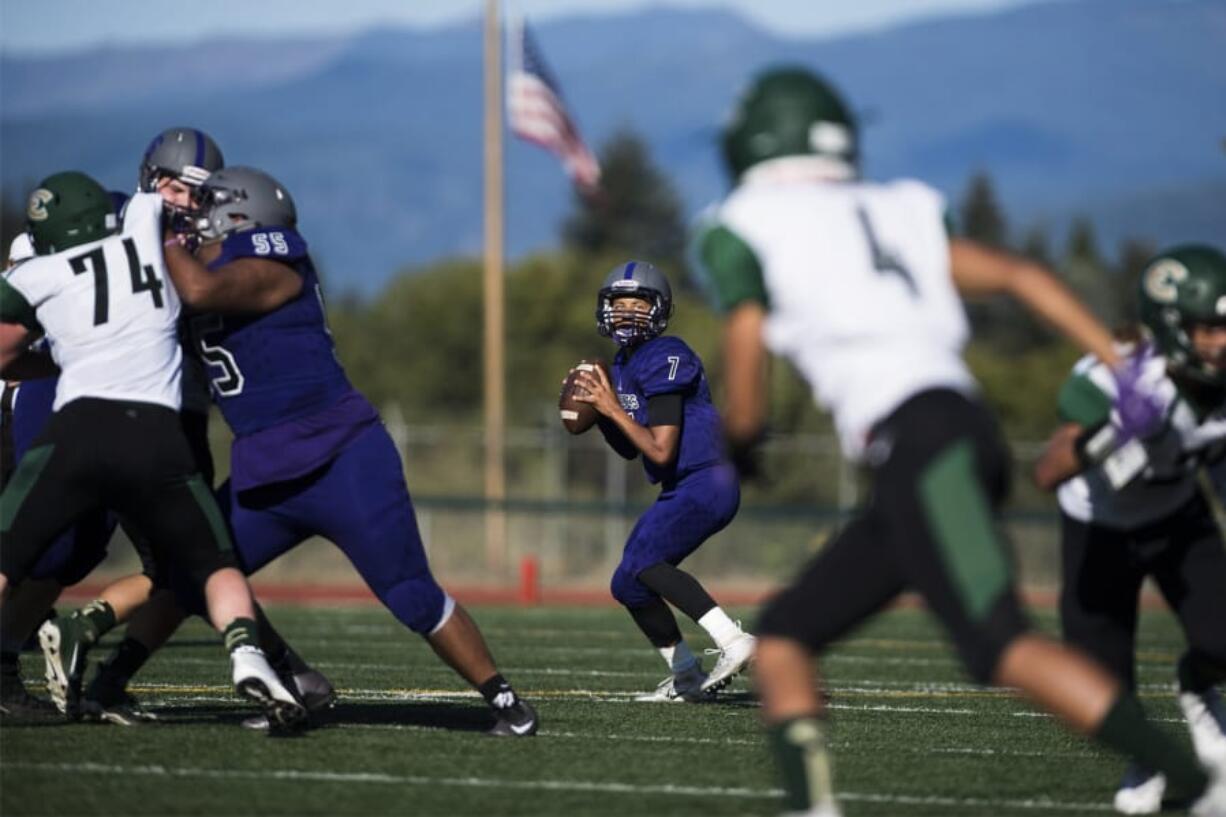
518,720
109,702
17,705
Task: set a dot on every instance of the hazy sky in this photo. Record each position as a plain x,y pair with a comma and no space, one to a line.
29,26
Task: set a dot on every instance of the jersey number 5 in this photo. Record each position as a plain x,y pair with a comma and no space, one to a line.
144,278
231,381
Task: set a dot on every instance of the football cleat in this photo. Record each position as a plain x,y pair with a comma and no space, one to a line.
1206,714
1213,802
1140,791
518,720
683,686
255,680
733,659
108,702
64,647
313,688
16,703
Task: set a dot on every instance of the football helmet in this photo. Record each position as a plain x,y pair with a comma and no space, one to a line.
242,198
789,111
1181,287
641,280
186,154
68,209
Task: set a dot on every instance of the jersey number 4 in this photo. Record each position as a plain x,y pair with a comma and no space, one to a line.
885,260
144,278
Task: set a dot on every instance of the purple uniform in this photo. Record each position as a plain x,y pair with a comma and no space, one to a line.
77,551
310,456
700,493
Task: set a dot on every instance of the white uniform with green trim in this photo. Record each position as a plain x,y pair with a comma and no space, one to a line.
1165,479
109,311
857,281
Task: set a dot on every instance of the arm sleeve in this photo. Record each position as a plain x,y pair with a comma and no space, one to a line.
728,269
14,308
616,439
665,409
1082,402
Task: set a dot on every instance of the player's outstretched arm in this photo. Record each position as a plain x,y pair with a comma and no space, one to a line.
1059,460
980,270
745,361
658,443
245,285
14,338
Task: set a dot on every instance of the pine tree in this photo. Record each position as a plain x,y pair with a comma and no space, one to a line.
637,212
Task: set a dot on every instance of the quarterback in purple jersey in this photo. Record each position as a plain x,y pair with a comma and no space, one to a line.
310,454
659,405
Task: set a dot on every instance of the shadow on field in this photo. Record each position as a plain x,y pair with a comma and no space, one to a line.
429,714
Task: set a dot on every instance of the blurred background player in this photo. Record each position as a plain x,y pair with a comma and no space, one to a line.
310,455
1137,509
857,283
115,442
662,409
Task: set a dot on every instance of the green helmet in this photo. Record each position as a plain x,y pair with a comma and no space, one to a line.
68,209
789,112
1183,286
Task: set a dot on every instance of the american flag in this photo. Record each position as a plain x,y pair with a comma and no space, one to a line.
538,113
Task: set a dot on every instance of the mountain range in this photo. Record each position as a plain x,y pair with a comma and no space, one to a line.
1115,109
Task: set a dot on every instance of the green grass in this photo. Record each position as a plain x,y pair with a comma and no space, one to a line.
911,735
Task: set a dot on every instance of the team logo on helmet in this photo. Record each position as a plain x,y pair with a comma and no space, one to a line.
36,208
1162,280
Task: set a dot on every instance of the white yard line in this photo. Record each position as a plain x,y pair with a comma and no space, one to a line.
603,787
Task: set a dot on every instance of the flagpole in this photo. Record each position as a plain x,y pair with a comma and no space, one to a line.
495,380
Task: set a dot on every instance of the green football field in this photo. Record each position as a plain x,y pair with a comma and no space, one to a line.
911,735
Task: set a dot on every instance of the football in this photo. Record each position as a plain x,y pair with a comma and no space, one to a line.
576,416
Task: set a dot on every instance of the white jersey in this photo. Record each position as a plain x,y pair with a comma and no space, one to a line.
110,312
860,293
1162,472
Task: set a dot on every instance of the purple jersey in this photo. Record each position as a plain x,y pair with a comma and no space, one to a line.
276,376
666,365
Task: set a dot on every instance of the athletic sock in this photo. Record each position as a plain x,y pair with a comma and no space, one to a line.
96,619
678,657
241,632
10,663
1126,730
723,630
1197,675
129,657
498,693
803,759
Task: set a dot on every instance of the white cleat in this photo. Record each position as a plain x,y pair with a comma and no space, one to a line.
1206,714
733,659
683,686
1140,792
1213,802
255,680
315,691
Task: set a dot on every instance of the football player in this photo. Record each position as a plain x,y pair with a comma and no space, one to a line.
310,454
1136,509
174,162
658,405
98,293
858,284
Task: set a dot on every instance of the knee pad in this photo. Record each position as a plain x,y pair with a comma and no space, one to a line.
418,603
627,589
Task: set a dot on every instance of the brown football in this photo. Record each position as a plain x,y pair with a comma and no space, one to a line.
576,416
